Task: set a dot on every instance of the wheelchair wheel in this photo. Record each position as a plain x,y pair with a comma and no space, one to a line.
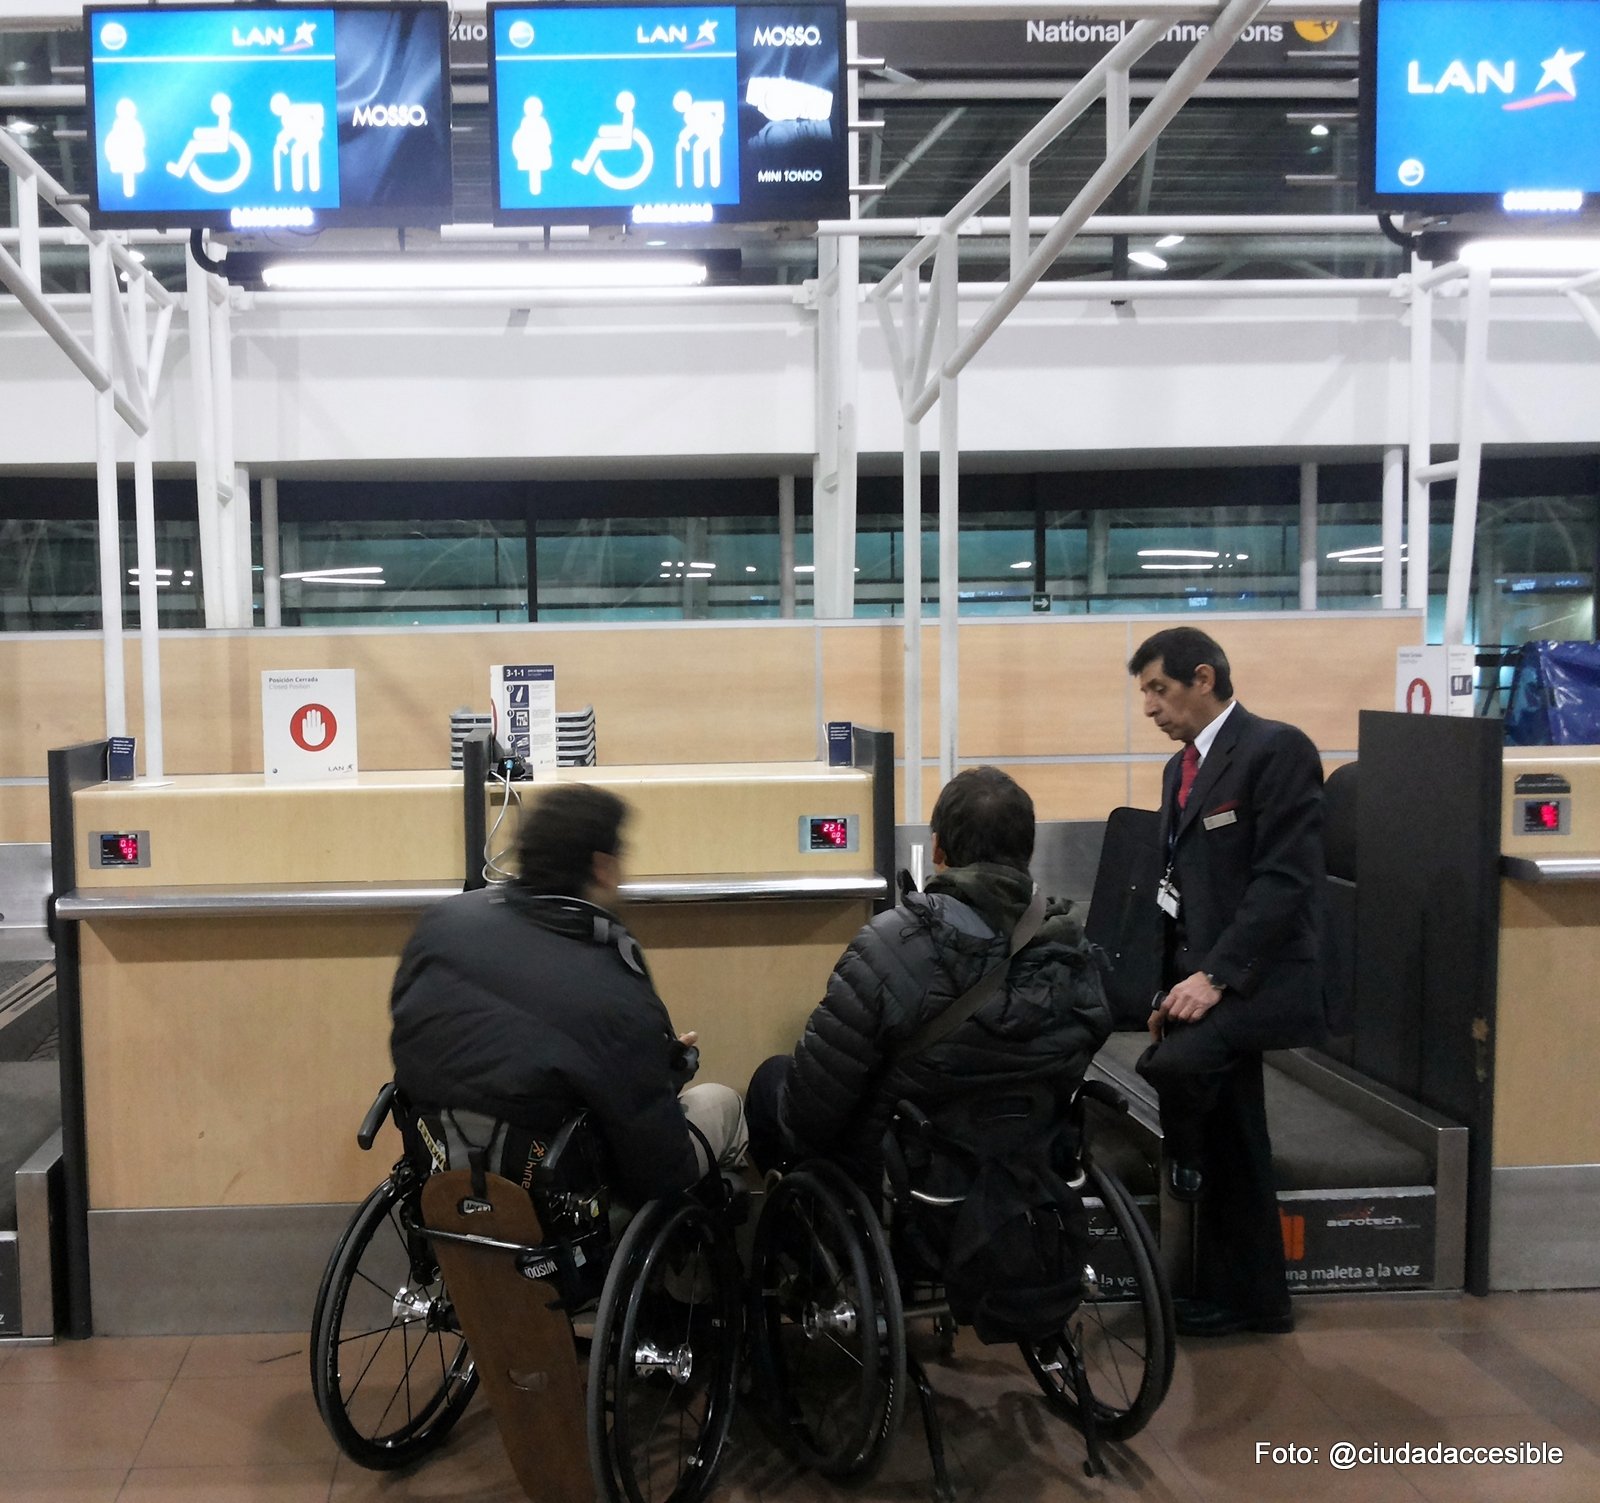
389,1367
1123,1329
827,1329
664,1360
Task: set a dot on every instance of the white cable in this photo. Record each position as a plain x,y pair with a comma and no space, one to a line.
493,872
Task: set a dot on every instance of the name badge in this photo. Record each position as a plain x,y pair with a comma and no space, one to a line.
1217,821
1167,899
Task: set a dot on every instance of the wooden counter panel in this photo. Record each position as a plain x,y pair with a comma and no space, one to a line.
51,694
1547,1047
237,830
704,694
229,1063
25,813
1060,790
745,976
243,832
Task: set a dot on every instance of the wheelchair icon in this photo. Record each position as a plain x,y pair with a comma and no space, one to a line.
211,141
624,135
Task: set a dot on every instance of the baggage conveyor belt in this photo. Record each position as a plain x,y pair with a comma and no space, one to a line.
1371,1186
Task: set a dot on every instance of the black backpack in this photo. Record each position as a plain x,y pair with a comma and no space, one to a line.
982,1206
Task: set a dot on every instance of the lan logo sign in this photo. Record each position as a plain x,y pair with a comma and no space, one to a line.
1556,78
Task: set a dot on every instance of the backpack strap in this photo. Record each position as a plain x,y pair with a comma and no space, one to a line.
943,1024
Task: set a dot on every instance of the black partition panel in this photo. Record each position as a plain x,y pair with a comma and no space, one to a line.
71,768
1123,918
474,814
1428,916
873,751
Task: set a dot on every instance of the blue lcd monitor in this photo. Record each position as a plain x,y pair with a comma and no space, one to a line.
667,114
269,116
1480,104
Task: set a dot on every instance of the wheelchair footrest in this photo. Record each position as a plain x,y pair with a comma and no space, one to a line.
519,1335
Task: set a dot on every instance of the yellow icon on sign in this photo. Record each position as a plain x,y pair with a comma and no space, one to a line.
1315,31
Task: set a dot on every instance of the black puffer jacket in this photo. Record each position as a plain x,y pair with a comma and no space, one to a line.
508,1004
907,966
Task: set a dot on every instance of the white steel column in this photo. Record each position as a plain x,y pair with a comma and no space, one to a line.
144,516
945,272
1099,553
27,191
205,438
1394,476
240,598
1476,358
102,287
271,564
1419,441
825,479
1308,537
847,352
786,547
911,568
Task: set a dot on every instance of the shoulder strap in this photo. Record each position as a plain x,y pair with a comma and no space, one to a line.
957,1013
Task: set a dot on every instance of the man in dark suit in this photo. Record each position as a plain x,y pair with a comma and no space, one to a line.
1241,834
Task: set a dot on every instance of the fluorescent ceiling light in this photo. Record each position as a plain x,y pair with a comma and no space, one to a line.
512,273
805,568
1319,129
1023,563
702,566
1177,566
159,569
1514,253
342,579
334,571
749,568
1166,242
1147,258
1181,553
21,127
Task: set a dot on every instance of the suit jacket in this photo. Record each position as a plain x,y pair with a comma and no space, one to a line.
1251,881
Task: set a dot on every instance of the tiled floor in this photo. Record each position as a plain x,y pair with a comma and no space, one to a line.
230,1420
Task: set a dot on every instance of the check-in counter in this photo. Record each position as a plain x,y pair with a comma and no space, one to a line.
235,941
1546,1217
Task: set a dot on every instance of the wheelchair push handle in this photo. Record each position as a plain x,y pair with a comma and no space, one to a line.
367,1135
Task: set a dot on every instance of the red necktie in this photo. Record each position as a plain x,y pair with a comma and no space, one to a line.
1191,767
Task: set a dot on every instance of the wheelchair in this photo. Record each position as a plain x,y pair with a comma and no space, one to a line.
833,1283
660,1307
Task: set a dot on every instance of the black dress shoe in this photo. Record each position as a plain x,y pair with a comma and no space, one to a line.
1184,1183
1201,1317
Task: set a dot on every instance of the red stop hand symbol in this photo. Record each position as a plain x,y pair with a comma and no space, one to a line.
313,728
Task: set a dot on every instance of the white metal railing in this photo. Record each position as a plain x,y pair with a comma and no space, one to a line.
124,365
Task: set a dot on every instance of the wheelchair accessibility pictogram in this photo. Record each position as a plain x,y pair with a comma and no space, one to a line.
213,141
609,139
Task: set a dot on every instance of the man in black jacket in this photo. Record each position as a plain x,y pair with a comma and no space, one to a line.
1241,837
836,1094
521,1003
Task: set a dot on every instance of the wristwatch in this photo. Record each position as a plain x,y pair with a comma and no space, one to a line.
1216,981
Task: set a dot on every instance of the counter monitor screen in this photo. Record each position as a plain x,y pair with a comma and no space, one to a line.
1480,104
667,114
269,116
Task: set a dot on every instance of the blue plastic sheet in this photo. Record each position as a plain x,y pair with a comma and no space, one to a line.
1555,695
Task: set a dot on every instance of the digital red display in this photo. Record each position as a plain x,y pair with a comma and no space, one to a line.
119,850
830,834
1541,817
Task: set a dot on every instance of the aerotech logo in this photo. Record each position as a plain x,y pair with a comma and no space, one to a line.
1556,84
